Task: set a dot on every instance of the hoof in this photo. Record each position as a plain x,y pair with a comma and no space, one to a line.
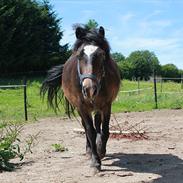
88,155
96,170
102,155
96,165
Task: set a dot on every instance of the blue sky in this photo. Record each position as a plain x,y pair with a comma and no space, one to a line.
156,25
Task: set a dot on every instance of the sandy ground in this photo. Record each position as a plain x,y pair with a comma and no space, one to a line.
157,160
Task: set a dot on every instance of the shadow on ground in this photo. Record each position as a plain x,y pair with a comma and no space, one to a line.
168,166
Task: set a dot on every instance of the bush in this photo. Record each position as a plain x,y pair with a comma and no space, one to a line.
10,145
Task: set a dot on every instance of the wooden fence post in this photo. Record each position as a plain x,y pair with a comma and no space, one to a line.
25,98
161,85
155,92
138,85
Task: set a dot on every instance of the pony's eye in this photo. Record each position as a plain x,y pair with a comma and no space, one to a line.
94,57
81,53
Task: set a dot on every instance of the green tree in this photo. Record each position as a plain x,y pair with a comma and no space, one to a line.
126,70
143,64
170,71
30,36
91,24
118,57
180,72
153,61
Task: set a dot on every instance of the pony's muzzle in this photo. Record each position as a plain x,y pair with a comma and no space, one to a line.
90,92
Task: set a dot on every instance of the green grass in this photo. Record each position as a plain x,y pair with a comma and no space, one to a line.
144,100
12,106
59,147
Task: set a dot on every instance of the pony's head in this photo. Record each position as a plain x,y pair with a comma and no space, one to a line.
92,52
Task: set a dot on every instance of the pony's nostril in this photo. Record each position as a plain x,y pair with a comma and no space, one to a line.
85,92
90,92
94,91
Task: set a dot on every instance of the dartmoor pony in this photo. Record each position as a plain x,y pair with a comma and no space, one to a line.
90,82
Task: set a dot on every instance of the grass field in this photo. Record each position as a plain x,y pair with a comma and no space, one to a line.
12,104
11,100
169,96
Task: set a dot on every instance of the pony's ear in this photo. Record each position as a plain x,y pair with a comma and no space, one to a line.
80,32
102,31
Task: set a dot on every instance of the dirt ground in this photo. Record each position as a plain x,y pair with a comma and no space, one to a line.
157,160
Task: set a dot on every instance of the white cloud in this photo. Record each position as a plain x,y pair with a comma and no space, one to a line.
168,50
86,15
154,24
162,1
84,2
68,36
154,13
127,17
145,43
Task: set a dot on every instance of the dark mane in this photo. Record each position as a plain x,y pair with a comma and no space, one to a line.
92,37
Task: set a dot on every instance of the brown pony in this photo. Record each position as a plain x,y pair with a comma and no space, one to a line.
90,82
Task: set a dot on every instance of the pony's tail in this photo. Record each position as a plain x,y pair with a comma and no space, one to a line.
52,88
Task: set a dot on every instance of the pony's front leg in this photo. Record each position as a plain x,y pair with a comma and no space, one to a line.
88,147
91,136
105,130
98,121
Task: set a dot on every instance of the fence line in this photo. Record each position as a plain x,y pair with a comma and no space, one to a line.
129,91
12,86
155,80
24,86
169,92
168,78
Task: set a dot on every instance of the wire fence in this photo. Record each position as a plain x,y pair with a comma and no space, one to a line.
161,92
137,90
155,93
24,93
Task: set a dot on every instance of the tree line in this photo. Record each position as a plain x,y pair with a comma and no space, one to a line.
143,64
30,36
31,40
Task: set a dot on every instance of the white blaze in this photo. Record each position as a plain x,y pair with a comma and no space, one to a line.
89,49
